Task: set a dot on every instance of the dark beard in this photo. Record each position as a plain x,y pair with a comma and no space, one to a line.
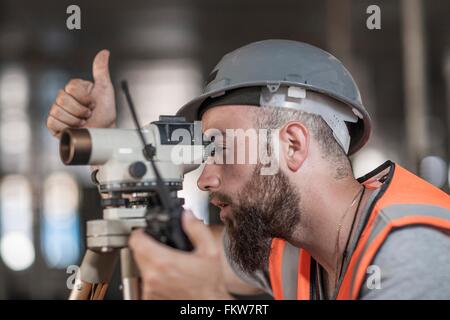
267,207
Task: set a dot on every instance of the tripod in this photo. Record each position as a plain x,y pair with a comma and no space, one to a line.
107,240
149,204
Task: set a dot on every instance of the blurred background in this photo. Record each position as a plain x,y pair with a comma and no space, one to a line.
166,49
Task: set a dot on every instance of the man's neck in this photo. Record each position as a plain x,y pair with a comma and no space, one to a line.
328,213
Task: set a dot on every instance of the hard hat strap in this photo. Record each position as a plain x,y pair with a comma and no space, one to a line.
333,112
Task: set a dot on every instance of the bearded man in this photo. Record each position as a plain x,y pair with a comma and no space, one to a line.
310,230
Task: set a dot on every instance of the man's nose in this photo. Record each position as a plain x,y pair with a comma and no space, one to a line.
208,180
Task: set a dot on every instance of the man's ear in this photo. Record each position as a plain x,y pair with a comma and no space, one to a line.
294,137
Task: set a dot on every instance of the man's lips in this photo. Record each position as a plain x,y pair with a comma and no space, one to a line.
223,206
224,212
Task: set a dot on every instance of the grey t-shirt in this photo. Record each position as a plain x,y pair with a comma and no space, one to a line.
412,263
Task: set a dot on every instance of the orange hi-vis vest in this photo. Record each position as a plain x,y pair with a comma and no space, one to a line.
403,199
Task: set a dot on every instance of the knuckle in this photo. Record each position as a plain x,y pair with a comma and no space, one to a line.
150,279
76,112
81,112
133,241
72,84
54,112
212,253
49,124
87,113
52,125
61,98
80,115
78,88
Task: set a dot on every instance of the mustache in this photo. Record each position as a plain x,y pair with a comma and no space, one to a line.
222,197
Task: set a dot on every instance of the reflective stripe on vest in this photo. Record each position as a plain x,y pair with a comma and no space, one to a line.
289,269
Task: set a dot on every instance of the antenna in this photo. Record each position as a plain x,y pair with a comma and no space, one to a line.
149,152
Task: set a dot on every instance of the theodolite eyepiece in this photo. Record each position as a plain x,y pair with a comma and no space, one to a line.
75,147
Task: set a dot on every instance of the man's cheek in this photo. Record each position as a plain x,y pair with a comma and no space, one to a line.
237,174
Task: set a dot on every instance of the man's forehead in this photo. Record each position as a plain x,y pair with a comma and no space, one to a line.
229,117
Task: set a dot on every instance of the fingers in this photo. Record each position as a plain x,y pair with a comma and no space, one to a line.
137,241
199,234
151,258
65,117
145,248
100,69
72,106
80,90
55,126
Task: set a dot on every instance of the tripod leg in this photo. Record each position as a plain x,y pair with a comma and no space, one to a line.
94,275
130,275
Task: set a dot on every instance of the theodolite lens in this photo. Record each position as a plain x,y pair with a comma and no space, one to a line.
75,146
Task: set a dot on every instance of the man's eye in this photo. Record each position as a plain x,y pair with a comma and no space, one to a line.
218,152
215,149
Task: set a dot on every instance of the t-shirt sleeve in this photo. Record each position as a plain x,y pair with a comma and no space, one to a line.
413,263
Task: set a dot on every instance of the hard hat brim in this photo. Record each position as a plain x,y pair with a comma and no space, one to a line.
360,132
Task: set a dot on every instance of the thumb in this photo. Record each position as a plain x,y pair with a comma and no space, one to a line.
198,233
100,68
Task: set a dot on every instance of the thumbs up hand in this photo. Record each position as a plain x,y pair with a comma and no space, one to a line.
85,104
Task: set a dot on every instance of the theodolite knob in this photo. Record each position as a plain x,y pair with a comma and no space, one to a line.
137,169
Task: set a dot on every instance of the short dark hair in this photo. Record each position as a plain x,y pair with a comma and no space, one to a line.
275,118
